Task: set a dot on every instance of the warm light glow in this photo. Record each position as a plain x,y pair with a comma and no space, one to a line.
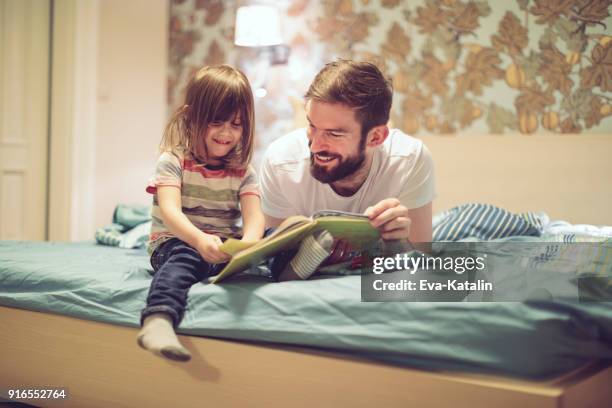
257,26
261,92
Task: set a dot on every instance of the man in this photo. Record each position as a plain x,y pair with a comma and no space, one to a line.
347,159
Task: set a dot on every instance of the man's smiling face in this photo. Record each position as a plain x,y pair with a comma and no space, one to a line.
334,138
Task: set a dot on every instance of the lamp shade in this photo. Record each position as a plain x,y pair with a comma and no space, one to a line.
257,26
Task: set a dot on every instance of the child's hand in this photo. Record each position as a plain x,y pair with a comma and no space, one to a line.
208,247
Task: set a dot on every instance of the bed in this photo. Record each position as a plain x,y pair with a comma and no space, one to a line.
70,315
541,354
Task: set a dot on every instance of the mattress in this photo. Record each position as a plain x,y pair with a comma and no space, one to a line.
534,339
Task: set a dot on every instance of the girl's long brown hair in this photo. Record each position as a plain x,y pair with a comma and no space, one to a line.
214,94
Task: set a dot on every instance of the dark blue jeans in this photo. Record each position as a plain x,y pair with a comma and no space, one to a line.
177,268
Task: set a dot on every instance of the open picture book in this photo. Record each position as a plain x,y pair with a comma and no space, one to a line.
354,228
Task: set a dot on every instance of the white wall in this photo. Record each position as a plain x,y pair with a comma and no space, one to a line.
566,176
131,114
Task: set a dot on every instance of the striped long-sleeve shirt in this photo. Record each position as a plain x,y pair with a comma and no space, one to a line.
210,196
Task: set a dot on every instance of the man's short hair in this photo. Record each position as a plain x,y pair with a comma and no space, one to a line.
359,85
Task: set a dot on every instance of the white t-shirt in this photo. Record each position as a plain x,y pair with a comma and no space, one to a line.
402,167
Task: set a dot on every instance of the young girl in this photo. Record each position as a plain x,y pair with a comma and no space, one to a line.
203,184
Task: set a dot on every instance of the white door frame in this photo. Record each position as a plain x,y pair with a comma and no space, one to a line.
73,119
24,96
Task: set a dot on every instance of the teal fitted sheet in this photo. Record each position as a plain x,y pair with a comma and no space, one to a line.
109,284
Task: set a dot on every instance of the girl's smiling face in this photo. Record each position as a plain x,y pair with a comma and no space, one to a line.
221,137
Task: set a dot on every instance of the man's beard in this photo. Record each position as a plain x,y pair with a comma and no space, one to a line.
344,169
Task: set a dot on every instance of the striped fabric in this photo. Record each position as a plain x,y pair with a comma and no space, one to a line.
210,196
110,235
485,222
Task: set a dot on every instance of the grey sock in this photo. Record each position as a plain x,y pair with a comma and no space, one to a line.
313,250
157,335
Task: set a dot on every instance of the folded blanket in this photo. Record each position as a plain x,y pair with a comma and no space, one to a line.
130,227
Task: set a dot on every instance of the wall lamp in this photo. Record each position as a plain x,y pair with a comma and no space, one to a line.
258,26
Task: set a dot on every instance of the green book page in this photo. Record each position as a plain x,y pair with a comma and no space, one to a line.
354,229
357,231
233,246
264,249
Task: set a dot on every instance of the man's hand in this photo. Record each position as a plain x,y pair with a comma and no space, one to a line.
390,218
208,247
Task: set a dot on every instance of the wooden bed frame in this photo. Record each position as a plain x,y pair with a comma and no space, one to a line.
105,368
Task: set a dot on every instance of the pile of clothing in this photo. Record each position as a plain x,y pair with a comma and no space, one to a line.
130,227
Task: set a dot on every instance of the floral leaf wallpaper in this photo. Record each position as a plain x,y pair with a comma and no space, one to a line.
458,66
